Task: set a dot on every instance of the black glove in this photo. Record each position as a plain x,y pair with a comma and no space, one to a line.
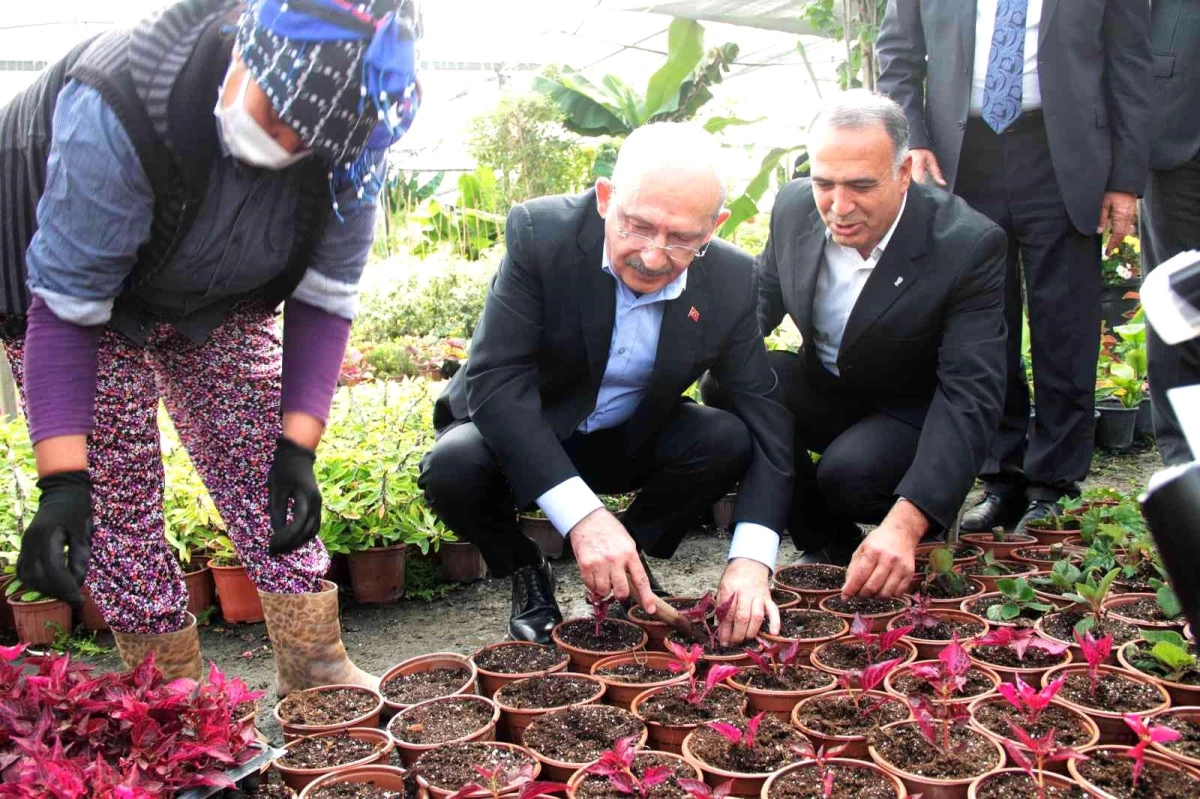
63,518
291,478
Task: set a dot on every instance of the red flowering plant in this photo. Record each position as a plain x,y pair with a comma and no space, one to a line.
502,779
1094,652
63,732
737,736
826,773
1043,750
1147,734
617,765
600,606
937,716
1020,640
686,659
876,644
1029,702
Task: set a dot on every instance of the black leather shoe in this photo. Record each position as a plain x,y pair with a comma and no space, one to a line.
994,510
534,611
658,590
1038,509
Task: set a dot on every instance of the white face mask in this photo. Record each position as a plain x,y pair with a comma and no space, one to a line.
246,139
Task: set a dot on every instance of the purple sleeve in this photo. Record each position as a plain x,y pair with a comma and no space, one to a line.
61,361
314,342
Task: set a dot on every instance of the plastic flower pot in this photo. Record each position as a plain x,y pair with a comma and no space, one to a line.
1192,714
621,693
952,603
437,792
1182,694
436,660
931,787
38,622
492,681
377,574
1031,676
1040,627
1059,766
744,783
581,658
562,770
786,598
462,562
514,720
298,778
539,530
582,773
665,737
1017,569
199,585
840,764
818,663
889,682
410,752
1152,759
856,745
370,718
928,648
786,578
1113,728
1116,427
807,645
1052,779
1000,550
877,621
921,554
1114,604
236,594
722,511
778,703
90,617
386,777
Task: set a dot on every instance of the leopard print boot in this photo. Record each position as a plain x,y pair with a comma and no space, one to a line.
176,654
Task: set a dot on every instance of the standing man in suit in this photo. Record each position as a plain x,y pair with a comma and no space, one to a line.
898,292
1036,113
606,307
1170,219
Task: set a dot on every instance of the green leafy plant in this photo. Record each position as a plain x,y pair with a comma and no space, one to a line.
79,644
16,589
1018,598
223,552
1061,578
990,566
1168,600
1092,594
1168,657
942,570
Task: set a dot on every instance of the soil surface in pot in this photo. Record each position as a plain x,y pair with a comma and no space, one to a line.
977,683
944,628
670,706
1145,609
781,595
580,734
1113,772
596,787
838,715
639,613
614,636
1189,744
537,693
710,649
408,689
867,606
328,751
971,753
1139,583
1115,693
1026,618
358,790
1142,653
806,623
849,655
452,766
326,707
957,552
848,783
442,721
1022,786
939,588
791,678
772,748
980,570
519,659
1039,554
1061,625
634,673
812,577
1069,728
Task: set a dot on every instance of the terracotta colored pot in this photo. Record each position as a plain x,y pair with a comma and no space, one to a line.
1182,694
442,793
562,770
744,784
6,614
722,511
928,649
436,660
368,719
787,599
839,763
35,621
818,664
810,596
1050,779
582,659
492,681
778,703
1025,555
921,554
889,681
462,562
807,645
199,585
977,590
1047,538
90,617
1113,729
539,530
737,659
582,774
666,737
929,787
878,621
377,574
1113,605
1192,714
1150,757
1029,676
514,720
298,778
968,606
386,777
1039,626
1001,550
1019,569
657,631
856,745
1059,766
410,752
621,694
236,594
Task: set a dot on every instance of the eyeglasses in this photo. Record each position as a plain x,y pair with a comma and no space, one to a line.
678,254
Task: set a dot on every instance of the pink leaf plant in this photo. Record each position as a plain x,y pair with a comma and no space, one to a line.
688,657
920,613
1094,652
739,737
774,659
1043,751
867,679
600,606
1020,640
936,717
699,615
876,644
1030,702
617,765
698,789
502,779
1147,733
826,773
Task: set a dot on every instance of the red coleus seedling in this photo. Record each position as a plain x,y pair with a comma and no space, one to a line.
920,613
1043,751
876,644
698,789
1020,640
1030,702
937,716
1146,734
745,738
600,606
774,659
699,615
688,658
825,772
617,765
1094,652
868,679
502,779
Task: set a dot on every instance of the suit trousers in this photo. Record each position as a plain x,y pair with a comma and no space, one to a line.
1170,224
690,463
1010,178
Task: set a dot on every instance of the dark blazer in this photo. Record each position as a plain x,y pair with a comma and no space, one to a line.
1093,70
925,340
1175,122
541,346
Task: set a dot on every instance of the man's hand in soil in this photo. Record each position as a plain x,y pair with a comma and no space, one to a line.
608,559
883,563
749,582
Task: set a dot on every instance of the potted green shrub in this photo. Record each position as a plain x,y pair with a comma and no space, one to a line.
38,618
1122,392
236,594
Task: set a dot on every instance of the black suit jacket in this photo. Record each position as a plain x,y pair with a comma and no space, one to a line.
925,340
1175,42
541,346
1094,74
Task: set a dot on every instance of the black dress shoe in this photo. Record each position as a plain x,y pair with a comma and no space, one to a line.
1038,509
994,510
534,611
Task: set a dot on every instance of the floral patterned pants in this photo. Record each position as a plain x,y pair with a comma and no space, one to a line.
223,397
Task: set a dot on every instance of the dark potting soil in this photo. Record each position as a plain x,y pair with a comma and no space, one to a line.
1045,586
1007,657
792,678
1144,609
811,577
977,684
614,636
596,787
442,721
1189,744
848,783
670,706
1139,583
946,627
524,658
1061,625
452,766
1011,785
772,748
978,569
1070,728
836,714
639,613
866,606
1026,619
1112,772
782,596
1038,554
1115,693
409,689
547,691
580,734
971,753
329,750
634,673
1142,652
352,790
939,588
808,623
317,707
849,655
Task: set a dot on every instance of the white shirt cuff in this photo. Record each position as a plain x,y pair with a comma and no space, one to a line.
567,503
755,542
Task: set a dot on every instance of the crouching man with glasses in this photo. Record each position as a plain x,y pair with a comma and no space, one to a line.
605,309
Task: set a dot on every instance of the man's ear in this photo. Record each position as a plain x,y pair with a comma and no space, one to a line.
604,195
